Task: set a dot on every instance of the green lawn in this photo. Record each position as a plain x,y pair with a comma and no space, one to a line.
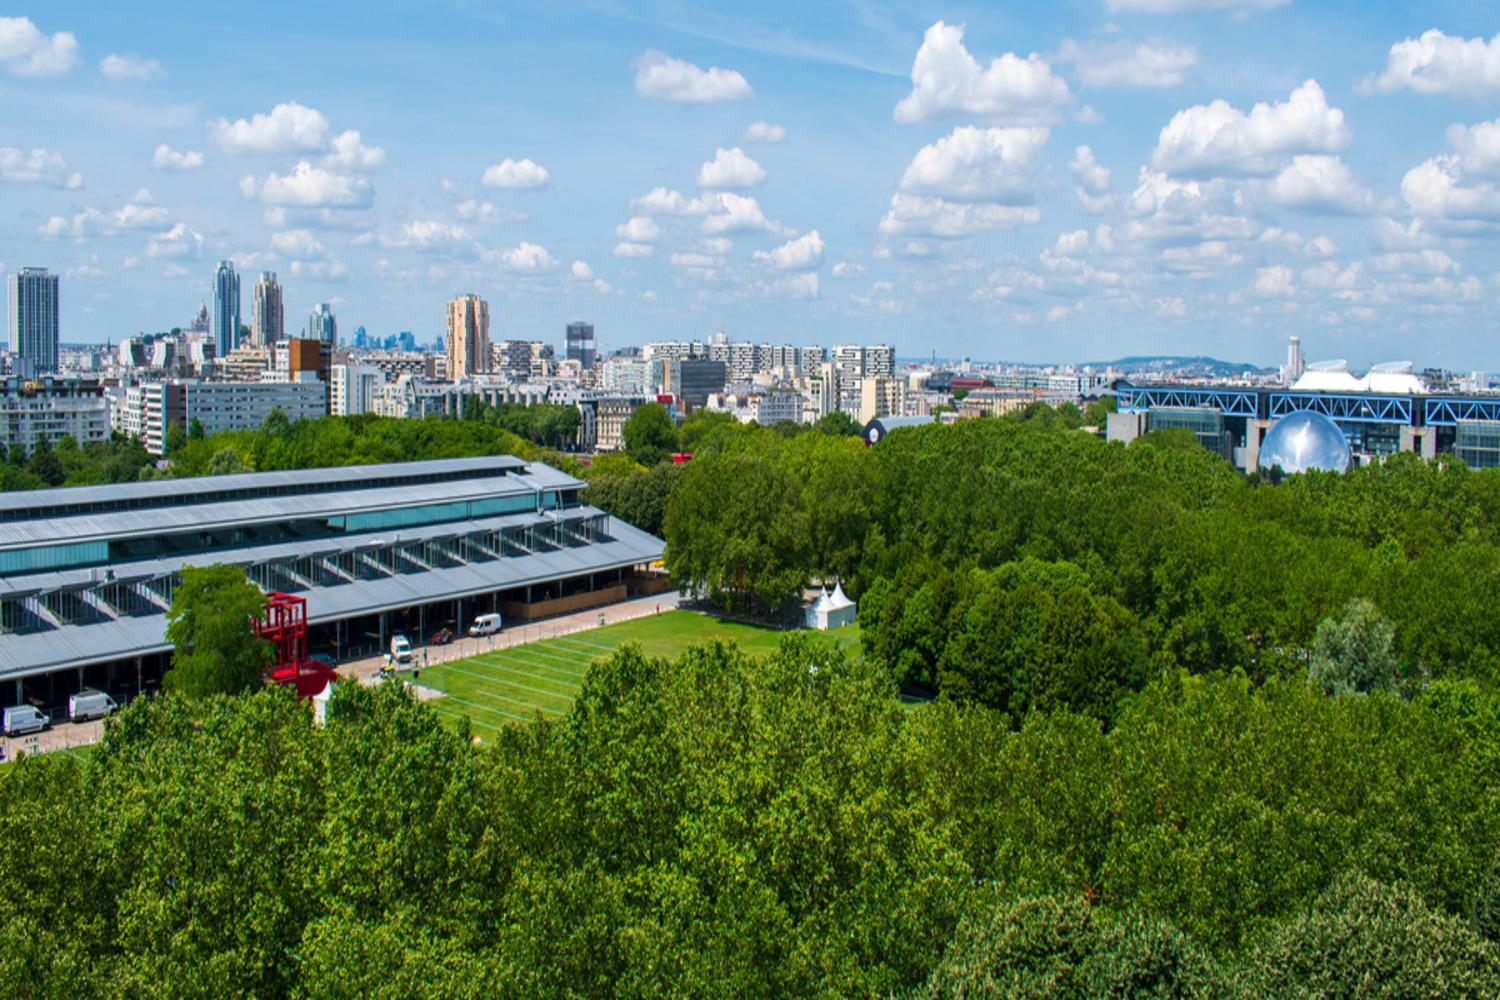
513,685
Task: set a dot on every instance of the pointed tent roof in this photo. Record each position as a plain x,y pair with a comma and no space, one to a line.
838,599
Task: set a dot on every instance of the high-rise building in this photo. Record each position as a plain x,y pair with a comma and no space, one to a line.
33,321
267,316
467,349
225,316
581,343
1295,365
322,326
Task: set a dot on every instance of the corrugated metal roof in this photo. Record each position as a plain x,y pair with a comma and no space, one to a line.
205,486
81,645
229,513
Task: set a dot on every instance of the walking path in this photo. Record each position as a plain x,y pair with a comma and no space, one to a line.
76,735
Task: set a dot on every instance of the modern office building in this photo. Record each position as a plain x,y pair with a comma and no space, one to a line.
224,318
353,388
468,344
33,295
1380,414
147,410
322,326
580,343
692,380
267,313
87,574
49,409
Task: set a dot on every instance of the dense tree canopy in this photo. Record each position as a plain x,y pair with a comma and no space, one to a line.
779,827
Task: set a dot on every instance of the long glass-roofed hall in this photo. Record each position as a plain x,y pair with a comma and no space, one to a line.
87,573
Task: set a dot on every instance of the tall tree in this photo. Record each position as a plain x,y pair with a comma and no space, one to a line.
650,436
211,627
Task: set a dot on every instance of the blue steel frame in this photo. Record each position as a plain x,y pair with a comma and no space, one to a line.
1343,406
1447,411
1346,407
1229,402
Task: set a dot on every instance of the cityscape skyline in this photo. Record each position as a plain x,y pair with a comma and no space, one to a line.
1075,185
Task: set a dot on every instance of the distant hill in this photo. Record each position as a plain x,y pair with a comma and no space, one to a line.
1170,364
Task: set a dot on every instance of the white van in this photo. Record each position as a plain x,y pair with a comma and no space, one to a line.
90,704
401,649
485,625
22,719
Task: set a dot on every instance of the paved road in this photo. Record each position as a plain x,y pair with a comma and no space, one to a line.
67,735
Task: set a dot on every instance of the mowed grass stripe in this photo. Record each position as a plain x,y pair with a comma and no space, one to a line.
570,665
505,694
565,687
446,705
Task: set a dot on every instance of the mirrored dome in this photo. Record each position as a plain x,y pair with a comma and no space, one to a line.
1304,440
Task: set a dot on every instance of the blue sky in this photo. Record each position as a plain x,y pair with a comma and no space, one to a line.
1069,181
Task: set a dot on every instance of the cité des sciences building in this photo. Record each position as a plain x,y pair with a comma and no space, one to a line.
87,573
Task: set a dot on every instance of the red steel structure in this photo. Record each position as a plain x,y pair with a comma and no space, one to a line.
284,626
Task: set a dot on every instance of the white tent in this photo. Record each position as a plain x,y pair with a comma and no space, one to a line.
320,704
831,610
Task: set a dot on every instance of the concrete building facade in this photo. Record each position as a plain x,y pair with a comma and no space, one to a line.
468,344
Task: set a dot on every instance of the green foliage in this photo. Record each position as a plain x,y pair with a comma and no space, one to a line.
1353,654
650,436
639,496
1052,948
777,826
838,424
1362,938
211,628
547,424
1096,414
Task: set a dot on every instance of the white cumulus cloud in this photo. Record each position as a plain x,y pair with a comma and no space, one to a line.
118,66
1477,146
628,249
978,164
527,258
916,215
1439,63
640,229
580,271
515,175
947,80
39,166
348,152
138,213
167,158
26,51
659,76
177,243
288,128
1093,180
801,254
1216,139
730,169
1148,64
308,186
848,269
735,213
662,201
1320,183
763,132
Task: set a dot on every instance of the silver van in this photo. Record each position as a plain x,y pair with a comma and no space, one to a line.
485,625
90,704
22,719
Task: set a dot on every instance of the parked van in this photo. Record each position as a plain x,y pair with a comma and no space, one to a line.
23,719
90,704
401,648
485,625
